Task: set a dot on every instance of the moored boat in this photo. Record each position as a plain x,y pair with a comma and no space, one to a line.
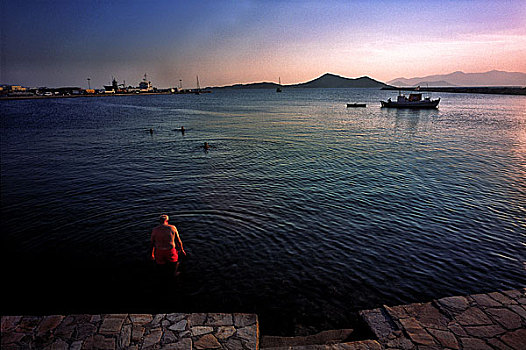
414,100
356,105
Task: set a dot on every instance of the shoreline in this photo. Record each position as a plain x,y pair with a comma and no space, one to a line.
488,90
10,98
478,321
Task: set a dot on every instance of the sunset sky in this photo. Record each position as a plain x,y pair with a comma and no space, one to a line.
62,43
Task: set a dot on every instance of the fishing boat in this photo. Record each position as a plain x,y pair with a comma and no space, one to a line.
414,100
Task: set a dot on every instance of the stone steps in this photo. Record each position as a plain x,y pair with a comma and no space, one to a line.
337,339
325,337
355,345
358,345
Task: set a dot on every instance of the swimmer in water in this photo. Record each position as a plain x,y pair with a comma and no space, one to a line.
182,130
206,145
151,131
165,244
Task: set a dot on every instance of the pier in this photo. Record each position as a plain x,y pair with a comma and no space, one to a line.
495,320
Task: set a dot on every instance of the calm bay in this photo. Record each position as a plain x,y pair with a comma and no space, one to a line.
303,211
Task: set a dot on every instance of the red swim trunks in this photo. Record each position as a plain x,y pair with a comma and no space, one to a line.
164,256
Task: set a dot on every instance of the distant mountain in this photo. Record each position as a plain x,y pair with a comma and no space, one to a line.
325,81
491,78
335,81
440,83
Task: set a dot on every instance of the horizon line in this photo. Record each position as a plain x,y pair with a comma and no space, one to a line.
326,73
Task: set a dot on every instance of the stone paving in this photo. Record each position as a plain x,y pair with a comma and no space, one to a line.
175,331
481,321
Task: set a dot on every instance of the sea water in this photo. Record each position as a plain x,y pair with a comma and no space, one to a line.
302,211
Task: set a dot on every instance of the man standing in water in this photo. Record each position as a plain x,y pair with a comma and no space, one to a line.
164,244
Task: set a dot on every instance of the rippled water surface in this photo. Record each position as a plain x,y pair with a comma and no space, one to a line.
303,211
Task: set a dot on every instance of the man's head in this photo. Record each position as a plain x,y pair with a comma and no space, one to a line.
163,219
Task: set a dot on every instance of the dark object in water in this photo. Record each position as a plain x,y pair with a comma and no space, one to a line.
356,105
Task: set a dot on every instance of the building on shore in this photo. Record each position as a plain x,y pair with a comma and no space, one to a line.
15,90
21,91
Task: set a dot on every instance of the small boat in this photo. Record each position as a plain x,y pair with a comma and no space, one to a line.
198,89
414,100
356,105
278,89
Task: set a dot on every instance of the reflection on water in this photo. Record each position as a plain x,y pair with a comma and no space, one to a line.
303,210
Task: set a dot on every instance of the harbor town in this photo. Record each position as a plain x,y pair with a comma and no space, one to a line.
145,86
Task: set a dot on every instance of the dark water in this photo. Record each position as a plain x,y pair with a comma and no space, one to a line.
303,210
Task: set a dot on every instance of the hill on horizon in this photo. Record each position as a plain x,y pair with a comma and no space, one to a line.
440,83
327,80
491,78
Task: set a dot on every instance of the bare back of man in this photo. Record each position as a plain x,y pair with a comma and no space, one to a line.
163,236
165,242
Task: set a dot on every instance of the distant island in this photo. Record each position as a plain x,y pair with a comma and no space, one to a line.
326,81
439,83
486,79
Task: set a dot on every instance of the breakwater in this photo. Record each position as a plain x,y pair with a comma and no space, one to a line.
495,320
492,90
